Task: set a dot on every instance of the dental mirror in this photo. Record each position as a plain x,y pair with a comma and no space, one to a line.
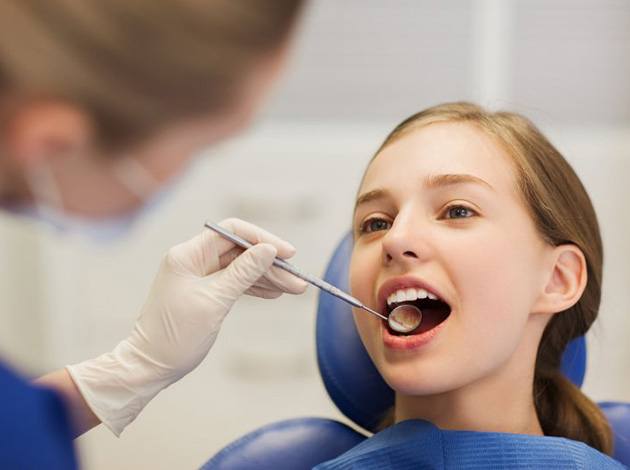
405,318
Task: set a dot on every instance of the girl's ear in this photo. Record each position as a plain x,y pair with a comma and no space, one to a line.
566,280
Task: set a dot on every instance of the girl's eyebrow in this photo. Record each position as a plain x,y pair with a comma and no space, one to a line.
431,182
437,181
370,196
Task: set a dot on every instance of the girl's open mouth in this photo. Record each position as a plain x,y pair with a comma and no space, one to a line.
434,312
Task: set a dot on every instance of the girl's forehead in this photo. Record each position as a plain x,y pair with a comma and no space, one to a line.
441,149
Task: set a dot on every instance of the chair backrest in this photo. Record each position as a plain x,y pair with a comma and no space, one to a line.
618,415
349,375
297,444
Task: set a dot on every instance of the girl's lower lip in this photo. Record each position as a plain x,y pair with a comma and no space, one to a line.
409,342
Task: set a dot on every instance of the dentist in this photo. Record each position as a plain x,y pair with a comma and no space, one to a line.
102,104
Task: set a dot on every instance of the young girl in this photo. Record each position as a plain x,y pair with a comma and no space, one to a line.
475,218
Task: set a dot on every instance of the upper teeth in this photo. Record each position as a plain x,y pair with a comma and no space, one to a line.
409,294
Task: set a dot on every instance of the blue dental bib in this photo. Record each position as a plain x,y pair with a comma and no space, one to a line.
417,444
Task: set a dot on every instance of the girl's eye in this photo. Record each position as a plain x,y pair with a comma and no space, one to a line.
459,212
374,225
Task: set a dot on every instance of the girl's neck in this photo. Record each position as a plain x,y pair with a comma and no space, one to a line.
493,404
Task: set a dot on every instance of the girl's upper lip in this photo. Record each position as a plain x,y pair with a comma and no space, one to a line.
402,282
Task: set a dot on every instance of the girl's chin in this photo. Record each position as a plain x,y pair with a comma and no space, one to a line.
422,374
416,379
416,390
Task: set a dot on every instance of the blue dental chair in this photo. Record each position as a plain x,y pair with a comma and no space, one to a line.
357,389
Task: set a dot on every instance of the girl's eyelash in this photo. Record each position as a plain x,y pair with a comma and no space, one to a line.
364,226
450,207
384,224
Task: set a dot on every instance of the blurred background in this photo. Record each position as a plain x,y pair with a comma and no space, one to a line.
358,67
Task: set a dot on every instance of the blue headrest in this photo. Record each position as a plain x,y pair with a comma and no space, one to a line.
348,373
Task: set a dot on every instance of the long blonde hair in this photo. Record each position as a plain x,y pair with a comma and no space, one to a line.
551,191
137,64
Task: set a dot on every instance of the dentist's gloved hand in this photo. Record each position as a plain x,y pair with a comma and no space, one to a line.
197,284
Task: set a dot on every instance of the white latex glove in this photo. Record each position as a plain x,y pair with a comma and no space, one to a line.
197,284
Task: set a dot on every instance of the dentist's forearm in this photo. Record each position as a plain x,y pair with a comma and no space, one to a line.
81,416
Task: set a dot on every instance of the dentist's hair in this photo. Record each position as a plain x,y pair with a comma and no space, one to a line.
137,65
551,190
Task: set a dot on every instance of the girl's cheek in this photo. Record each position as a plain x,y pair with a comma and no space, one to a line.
358,280
362,274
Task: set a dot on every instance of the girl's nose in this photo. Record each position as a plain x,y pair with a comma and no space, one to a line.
403,243
408,253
